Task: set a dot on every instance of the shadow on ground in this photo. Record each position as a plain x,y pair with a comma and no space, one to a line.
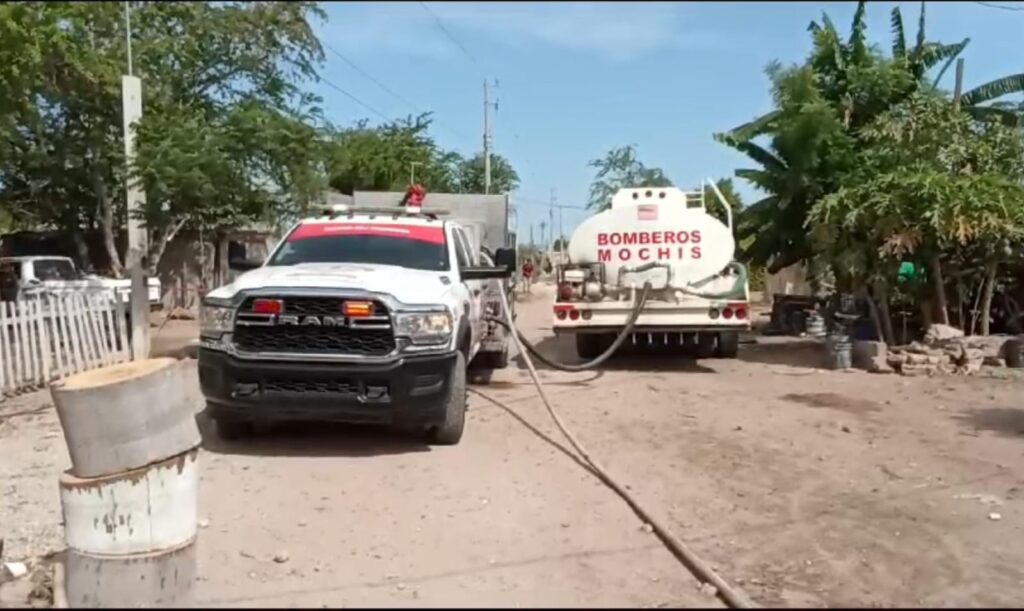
313,439
1006,421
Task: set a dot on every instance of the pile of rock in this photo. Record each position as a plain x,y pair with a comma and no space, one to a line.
945,350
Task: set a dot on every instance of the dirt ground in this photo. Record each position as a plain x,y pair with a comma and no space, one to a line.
805,487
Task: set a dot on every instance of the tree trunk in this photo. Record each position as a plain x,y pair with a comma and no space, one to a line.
987,292
939,288
884,314
876,319
77,239
926,313
106,221
159,246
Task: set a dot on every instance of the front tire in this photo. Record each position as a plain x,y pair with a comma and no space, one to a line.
449,432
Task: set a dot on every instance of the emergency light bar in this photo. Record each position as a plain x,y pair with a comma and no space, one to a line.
334,210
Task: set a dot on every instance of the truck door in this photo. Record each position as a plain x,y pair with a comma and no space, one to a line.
468,258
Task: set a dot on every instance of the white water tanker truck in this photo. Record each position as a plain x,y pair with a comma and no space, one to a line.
658,264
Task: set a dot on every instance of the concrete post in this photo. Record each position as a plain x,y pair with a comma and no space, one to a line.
130,499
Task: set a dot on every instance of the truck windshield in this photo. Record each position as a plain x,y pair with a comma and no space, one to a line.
415,247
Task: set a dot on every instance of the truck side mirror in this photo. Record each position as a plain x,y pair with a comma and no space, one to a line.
505,257
243,265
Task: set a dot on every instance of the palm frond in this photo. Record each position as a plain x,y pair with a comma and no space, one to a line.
857,43
899,41
750,129
991,90
762,156
1009,118
947,52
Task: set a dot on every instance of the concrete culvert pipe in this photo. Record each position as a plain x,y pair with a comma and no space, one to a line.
136,512
126,416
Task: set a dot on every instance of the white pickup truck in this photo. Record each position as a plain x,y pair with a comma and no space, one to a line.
58,275
361,315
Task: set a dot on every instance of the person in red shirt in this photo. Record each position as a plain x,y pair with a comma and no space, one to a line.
528,274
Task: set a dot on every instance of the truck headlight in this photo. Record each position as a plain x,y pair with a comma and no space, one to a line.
215,320
424,328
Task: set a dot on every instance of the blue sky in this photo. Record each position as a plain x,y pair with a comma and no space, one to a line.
578,78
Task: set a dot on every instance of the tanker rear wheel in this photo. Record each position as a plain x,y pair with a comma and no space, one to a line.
707,343
589,346
728,345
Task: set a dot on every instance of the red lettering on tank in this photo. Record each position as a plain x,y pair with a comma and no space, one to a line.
656,238
682,237
624,254
629,238
665,253
644,254
615,239
645,238
695,252
670,237
602,239
695,236
604,254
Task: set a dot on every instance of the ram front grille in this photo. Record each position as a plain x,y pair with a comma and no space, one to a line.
311,325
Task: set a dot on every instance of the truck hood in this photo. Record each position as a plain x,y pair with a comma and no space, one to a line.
409,286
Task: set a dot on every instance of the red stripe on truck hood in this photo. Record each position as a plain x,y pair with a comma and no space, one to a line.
432,235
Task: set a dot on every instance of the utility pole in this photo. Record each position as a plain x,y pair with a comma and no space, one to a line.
412,171
131,105
531,237
958,88
487,134
551,217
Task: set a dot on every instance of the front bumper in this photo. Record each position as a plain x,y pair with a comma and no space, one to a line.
409,390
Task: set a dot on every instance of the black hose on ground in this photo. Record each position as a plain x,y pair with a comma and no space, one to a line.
604,356
732,597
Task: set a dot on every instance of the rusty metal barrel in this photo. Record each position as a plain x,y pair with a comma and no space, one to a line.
130,498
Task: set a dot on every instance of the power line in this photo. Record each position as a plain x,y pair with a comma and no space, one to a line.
545,204
377,82
1000,6
355,99
454,40
370,76
472,58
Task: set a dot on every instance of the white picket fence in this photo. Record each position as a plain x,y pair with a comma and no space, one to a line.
46,337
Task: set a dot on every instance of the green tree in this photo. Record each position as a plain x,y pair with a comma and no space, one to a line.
927,183
385,158
504,178
620,169
807,141
222,131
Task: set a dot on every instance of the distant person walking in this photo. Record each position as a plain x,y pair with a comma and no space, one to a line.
528,274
